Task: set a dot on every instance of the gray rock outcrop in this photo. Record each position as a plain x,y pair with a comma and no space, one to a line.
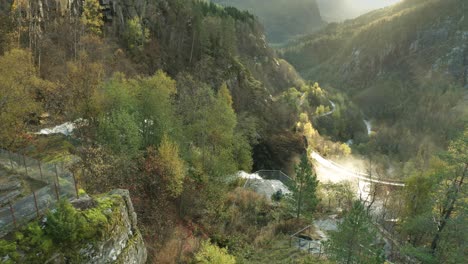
124,244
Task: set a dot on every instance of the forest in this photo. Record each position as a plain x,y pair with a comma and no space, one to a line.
401,67
172,100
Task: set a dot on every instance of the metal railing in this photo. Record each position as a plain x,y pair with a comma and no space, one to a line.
60,184
306,244
276,175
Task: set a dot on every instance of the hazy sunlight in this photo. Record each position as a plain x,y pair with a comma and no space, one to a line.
339,10
372,4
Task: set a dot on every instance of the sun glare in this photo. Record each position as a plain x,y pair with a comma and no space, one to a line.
373,4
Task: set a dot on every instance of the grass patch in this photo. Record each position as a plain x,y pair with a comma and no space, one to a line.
279,251
50,148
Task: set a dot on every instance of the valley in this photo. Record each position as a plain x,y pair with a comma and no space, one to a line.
242,131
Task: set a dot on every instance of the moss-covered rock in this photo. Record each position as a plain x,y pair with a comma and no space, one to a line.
101,229
123,242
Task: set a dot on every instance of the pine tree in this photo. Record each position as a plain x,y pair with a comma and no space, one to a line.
355,240
305,188
435,216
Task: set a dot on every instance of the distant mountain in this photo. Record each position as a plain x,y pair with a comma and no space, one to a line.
282,19
405,65
429,34
340,10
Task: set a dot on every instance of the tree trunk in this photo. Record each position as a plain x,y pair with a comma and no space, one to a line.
299,201
193,44
448,209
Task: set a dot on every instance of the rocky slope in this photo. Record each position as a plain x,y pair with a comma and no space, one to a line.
124,243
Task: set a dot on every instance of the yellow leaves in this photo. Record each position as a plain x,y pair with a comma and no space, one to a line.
19,4
157,87
92,16
83,79
320,110
225,95
172,166
345,149
163,82
316,142
303,118
14,6
210,253
18,87
309,131
305,126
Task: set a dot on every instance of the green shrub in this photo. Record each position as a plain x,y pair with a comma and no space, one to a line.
62,230
81,192
33,240
97,222
64,225
8,249
213,254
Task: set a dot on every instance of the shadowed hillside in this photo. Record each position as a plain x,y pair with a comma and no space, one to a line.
405,65
283,19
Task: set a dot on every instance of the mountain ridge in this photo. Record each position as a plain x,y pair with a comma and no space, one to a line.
283,19
401,64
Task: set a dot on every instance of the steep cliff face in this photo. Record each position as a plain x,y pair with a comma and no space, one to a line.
126,9
124,244
43,9
48,9
100,229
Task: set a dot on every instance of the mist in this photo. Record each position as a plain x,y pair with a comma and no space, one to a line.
339,10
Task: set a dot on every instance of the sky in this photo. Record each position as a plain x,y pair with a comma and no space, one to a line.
338,10
373,3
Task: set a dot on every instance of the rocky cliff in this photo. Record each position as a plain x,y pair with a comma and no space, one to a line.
124,243
101,229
